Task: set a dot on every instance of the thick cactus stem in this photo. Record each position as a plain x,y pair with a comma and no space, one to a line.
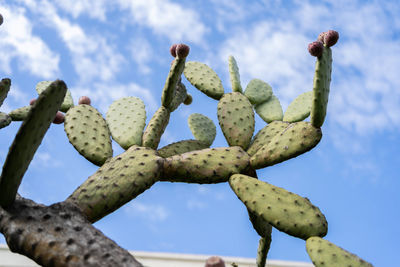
28,139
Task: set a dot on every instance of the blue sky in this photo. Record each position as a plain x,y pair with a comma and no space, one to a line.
110,49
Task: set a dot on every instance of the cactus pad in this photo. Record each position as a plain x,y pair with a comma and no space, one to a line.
324,253
172,81
299,109
5,120
181,147
4,88
204,78
203,128
211,165
87,131
126,119
19,114
265,135
258,91
68,101
236,118
117,182
28,139
156,127
234,75
287,212
296,139
270,110
179,97
321,84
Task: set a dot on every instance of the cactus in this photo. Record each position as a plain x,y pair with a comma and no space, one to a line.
62,234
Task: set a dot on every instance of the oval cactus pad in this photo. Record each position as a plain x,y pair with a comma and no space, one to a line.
4,88
203,128
87,131
19,114
286,211
299,109
204,78
68,101
5,120
258,91
126,119
181,147
234,75
270,110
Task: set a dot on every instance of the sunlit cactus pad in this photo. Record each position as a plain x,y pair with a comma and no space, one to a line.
204,78
299,109
156,127
87,131
324,253
270,110
202,127
258,91
126,119
286,211
181,147
68,101
234,75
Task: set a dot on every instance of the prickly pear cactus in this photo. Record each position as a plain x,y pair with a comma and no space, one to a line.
68,101
202,128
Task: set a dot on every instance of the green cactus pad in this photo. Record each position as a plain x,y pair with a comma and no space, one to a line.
5,120
296,139
87,131
126,119
203,128
270,110
287,212
179,97
156,127
181,147
211,165
204,78
117,182
19,114
234,75
28,139
324,253
321,85
5,85
265,135
299,109
236,118
173,78
258,91
262,227
68,101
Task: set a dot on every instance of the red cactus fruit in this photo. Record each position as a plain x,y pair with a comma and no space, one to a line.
84,100
321,37
32,101
59,118
330,38
182,50
215,261
172,50
316,48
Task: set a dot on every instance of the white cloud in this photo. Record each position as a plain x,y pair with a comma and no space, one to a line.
152,212
19,43
142,54
93,8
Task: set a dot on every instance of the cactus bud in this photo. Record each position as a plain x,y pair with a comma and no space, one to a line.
84,100
32,101
330,38
321,37
188,100
182,50
172,50
59,118
215,261
316,48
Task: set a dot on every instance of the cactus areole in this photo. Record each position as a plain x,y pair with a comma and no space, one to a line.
62,234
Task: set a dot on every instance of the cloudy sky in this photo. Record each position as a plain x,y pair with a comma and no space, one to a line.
110,49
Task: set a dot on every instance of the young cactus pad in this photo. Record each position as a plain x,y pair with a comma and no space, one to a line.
126,119
234,75
324,253
179,97
204,78
287,212
173,78
4,88
156,127
296,139
87,131
299,109
68,101
203,128
28,139
236,118
270,110
181,147
19,114
258,91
